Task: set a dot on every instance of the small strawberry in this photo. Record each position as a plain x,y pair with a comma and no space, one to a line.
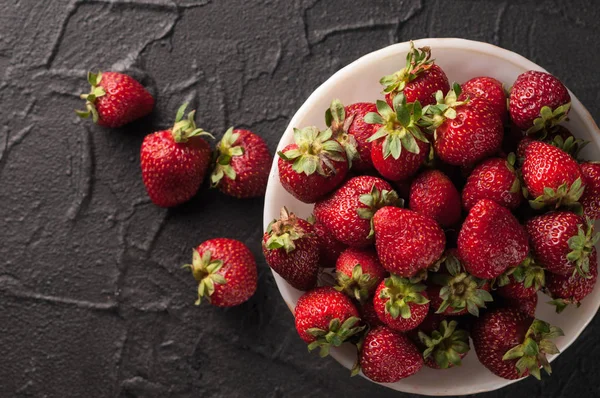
512,344
590,200
407,242
326,318
523,281
291,248
491,240
225,270
330,247
538,101
431,322
242,164
174,162
401,304
115,99
388,356
313,166
571,289
358,273
490,90
525,304
558,136
495,179
446,347
433,194
563,242
348,212
368,314
419,80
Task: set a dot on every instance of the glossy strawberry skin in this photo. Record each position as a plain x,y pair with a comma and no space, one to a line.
330,247
492,179
239,270
490,90
491,240
591,196
418,312
424,87
398,169
388,356
573,288
173,172
361,131
367,258
524,304
531,91
434,195
407,241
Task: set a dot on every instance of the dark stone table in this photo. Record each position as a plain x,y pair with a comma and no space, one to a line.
93,302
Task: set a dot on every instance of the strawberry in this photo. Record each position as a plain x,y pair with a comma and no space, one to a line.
558,136
347,213
368,314
446,347
490,90
538,101
330,247
491,240
590,200
291,248
512,344
242,164
399,148
551,176
326,318
174,162
419,80
571,289
225,270
523,281
313,166
525,304
495,179
400,304
562,242
358,273
407,242
433,194
115,99
431,322
388,356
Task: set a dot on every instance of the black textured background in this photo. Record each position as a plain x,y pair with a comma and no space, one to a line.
92,300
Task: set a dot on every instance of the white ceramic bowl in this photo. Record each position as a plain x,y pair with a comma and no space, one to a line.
359,81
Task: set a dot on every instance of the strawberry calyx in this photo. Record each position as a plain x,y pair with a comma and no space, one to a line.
581,246
184,129
528,273
335,118
562,303
205,270
374,201
335,335
226,150
511,160
400,292
446,344
571,145
357,285
445,108
283,232
564,195
315,151
417,62
531,354
96,92
399,126
549,118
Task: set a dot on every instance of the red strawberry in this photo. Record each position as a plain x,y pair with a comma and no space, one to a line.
525,304
571,289
512,344
291,248
431,322
407,242
433,194
445,348
590,200
538,101
495,179
347,213
313,166
562,242
325,318
174,162
399,148
115,99
558,136
358,273
330,247
388,356
522,281
522,148
400,304
419,80
242,165
490,90
225,270
368,314
491,240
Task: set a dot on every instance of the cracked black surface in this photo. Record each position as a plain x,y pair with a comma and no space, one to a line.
92,298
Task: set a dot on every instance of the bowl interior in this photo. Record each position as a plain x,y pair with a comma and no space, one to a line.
358,82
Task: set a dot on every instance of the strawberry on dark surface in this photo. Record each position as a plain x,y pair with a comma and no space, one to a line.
434,195
401,304
523,281
330,247
490,90
359,272
571,289
225,271
242,164
446,347
590,200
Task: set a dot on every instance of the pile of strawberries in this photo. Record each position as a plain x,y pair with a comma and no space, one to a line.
443,212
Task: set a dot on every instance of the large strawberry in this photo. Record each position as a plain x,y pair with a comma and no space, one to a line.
446,347
523,281
225,270
174,162
348,212
538,101
330,247
407,242
242,164
490,90
401,304
571,289
512,344
358,273
590,200
115,99
291,248
388,356
313,166
491,240
326,318
419,80
434,195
